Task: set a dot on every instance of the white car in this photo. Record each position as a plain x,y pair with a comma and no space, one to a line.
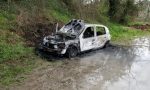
76,37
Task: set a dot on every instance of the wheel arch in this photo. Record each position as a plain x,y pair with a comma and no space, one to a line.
75,46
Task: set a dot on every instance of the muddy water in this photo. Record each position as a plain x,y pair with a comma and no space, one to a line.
113,68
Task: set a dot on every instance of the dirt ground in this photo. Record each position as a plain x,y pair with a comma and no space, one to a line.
114,68
141,27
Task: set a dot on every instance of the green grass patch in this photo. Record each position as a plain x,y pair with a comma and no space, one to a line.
6,20
59,11
121,33
11,46
15,58
11,70
60,16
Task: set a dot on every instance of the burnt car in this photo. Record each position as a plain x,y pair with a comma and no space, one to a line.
76,37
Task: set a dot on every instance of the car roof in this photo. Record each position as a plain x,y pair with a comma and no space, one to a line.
87,25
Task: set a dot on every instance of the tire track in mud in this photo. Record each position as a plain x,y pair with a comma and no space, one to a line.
59,78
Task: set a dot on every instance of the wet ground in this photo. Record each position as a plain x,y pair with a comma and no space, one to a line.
114,68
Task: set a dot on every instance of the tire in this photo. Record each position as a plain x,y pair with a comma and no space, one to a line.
106,44
71,52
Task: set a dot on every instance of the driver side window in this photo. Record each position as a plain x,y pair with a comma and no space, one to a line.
89,32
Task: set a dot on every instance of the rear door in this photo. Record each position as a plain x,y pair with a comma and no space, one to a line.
100,36
88,39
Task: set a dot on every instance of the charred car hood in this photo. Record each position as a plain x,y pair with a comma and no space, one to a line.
59,38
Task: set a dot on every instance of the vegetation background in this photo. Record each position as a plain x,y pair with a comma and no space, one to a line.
24,23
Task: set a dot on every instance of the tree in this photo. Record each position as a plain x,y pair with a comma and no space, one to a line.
130,12
114,6
122,10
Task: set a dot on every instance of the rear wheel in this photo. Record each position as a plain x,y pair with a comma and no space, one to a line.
106,44
71,52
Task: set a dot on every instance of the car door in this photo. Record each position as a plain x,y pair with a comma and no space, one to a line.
100,36
88,39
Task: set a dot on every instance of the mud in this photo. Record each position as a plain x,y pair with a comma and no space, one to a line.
141,27
113,68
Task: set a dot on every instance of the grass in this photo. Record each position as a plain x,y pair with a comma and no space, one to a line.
11,71
121,33
14,57
59,11
60,16
3,22
6,20
11,46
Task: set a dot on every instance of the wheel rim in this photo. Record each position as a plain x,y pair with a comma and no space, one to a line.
73,52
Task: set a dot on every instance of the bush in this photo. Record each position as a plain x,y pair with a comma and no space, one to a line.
122,11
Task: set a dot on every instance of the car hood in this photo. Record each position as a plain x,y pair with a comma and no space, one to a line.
59,37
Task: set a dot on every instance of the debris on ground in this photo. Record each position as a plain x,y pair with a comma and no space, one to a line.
141,27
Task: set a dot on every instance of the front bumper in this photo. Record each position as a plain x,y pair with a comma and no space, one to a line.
58,50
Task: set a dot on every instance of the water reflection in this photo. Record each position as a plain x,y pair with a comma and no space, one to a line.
137,77
118,68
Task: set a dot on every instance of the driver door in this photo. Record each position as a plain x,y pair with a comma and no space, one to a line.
88,39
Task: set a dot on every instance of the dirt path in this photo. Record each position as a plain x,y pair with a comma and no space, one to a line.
113,68
141,27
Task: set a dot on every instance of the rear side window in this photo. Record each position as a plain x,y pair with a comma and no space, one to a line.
100,31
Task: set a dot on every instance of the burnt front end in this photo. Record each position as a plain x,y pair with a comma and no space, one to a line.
62,39
57,43
58,48
51,44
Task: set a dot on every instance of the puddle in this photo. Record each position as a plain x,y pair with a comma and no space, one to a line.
113,68
137,75
118,68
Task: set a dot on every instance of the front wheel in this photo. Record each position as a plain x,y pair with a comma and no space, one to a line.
71,52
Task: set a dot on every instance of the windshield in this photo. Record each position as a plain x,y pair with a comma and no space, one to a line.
73,27
64,36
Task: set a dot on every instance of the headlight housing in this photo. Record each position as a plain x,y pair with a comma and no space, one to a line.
45,40
55,46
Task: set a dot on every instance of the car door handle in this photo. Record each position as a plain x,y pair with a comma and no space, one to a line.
105,37
93,40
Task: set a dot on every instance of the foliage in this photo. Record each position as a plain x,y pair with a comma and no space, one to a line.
129,14
123,11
